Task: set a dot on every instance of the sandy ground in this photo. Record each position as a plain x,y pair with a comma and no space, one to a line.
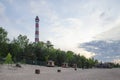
27,72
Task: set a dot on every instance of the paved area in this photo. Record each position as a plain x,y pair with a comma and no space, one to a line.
27,72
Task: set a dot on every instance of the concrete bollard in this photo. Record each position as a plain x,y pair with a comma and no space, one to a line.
75,69
37,71
58,70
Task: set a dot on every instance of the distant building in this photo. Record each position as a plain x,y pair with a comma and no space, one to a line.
65,65
103,65
74,65
50,63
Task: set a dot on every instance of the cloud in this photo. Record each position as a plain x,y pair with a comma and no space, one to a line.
111,34
116,61
65,24
3,17
72,31
67,31
85,53
4,20
14,26
43,9
102,14
2,8
104,50
10,1
67,34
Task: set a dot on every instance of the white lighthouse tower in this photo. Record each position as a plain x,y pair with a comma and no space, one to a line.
37,29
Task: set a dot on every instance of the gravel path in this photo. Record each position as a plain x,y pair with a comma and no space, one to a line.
27,72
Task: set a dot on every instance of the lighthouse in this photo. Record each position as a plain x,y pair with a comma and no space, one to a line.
37,29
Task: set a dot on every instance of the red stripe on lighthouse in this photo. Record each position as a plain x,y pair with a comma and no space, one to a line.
37,32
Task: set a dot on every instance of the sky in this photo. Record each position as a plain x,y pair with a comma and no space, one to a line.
66,23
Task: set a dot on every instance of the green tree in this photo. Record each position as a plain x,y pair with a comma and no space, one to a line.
49,44
8,59
46,58
3,35
60,57
69,56
3,42
22,50
20,44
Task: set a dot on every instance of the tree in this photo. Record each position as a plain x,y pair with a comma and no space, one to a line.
60,57
3,42
69,57
3,36
20,44
22,50
52,54
49,44
8,59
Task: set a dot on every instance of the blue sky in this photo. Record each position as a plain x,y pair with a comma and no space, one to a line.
66,23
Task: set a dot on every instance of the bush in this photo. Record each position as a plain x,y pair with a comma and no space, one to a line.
8,59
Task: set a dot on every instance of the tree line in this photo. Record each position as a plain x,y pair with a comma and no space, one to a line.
24,51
